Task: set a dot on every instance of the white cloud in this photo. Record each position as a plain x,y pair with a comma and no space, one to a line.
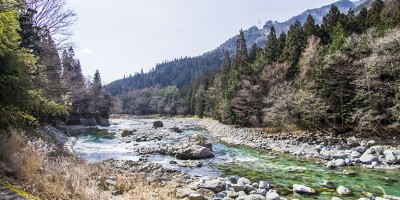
87,51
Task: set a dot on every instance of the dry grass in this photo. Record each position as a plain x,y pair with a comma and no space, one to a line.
43,174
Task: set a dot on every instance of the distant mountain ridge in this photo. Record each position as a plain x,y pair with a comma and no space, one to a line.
259,36
181,72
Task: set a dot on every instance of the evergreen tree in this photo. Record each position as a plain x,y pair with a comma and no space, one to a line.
294,45
374,13
272,47
281,44
28,32
252,54
361,20
310,28
329,23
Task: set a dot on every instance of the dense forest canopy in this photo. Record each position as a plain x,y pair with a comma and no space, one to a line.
341,75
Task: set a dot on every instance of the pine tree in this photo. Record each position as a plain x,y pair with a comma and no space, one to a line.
329,23
281,44
252,54
28,32
310,28
272,47
374,13
294,45
362,20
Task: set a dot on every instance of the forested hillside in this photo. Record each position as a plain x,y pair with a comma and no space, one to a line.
37,86
183,71
341,75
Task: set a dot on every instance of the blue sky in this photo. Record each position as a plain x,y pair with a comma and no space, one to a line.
120,37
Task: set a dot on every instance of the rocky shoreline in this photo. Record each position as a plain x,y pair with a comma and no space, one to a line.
190,150
338,151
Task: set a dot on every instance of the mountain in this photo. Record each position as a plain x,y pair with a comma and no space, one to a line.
259,36
183,71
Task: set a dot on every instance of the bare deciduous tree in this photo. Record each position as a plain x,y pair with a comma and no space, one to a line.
53,16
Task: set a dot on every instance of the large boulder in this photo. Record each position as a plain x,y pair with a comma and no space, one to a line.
193,152
158,124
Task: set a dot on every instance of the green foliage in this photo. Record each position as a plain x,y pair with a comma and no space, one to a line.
272,50
338,38
310,28
294,45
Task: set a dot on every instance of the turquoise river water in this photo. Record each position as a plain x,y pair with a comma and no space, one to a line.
280,170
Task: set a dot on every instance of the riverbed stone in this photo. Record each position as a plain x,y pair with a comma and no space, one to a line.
251,197
214,185
341,190
340,162
183,192
392,156
233,179
325,154
360,149
272,195
263,185
377,149
194,152
368,157
205,192
339,155
355,154
390,197
303,189
259,191
244,181
330,165
196,196
232,194
158,124
239,187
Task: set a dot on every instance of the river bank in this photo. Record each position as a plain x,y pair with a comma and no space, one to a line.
147,142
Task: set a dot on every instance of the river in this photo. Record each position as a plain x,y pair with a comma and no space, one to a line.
280,170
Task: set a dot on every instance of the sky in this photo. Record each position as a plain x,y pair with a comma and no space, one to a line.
121,37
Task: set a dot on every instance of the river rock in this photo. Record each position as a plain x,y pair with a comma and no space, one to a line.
341,190
371,143
392,156
221,195
183,192
339,155
127,132
239,187
377,149
368,158
390,197
214,185
196,196
259,191
158,124
244,181
263,185
303,189
206,193
361,149
325,154
336,198
272,195
193,152
340,162
251,197
233,179
232,194
355,154
330,165
176,129
352,141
